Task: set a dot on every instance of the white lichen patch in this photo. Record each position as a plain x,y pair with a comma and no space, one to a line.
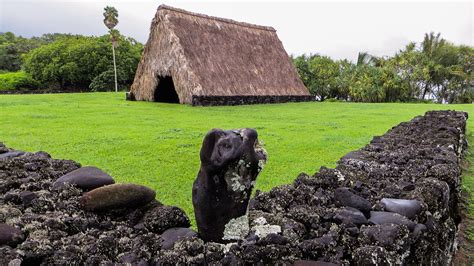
262,229
226,247
237,228
340,176
235,183
15,262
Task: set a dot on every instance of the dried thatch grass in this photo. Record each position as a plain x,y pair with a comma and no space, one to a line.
209,56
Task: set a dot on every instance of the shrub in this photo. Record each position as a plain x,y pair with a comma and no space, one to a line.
17,80
106,82
76,62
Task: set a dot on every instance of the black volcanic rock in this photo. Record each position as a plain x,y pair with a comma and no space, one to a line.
86,178
345,197
11,154
377,217
10,235
162,218
173,235
350,215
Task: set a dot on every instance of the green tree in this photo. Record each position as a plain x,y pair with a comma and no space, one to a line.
13,47
79,63
318,73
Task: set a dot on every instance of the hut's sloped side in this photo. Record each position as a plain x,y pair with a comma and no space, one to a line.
163,56
231,58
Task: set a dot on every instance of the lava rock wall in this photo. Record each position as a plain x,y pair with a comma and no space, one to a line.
394,201
248,99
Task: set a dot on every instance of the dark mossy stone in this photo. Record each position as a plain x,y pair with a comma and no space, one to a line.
173,235
86,178
348,215
116,196
162,218
27,197
345,197
10,235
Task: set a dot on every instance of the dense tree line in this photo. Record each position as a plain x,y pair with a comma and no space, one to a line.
71,62
434,70
13,47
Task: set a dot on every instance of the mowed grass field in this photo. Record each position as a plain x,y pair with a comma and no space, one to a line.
158,144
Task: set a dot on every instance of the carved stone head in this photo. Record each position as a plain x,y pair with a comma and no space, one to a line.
230,163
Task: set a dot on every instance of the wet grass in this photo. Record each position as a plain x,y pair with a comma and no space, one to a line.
157,144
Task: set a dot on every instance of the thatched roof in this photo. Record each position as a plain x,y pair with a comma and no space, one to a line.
214,56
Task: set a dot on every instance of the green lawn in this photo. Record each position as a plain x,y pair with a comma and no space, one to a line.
157,145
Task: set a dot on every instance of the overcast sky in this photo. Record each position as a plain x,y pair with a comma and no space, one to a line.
335,28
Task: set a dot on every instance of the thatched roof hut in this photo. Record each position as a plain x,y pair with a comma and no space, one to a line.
202,60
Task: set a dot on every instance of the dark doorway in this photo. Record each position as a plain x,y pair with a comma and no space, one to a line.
165,92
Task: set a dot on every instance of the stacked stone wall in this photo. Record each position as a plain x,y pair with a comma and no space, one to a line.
395,201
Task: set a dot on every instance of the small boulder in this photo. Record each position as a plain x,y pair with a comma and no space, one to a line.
10,235
162,218
173,235
27,197
408,208
377,217
345,197
350,215
116,196
418,231
86,178
11,154
389,236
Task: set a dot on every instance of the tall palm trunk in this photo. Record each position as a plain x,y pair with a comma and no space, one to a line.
115,67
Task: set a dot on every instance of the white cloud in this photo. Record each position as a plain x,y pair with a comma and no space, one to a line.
337,29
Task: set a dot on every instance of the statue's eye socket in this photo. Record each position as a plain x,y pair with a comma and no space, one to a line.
225,146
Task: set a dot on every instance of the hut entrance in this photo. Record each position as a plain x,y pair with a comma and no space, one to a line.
165,91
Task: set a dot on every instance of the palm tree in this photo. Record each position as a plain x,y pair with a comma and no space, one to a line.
365,58
110,21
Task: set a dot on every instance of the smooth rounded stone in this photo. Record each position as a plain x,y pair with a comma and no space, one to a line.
345,197
86,178
162,218
173,235
11,154
377,217
10,235
116,196
408,208
348,215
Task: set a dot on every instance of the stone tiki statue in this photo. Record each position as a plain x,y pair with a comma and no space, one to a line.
230,163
